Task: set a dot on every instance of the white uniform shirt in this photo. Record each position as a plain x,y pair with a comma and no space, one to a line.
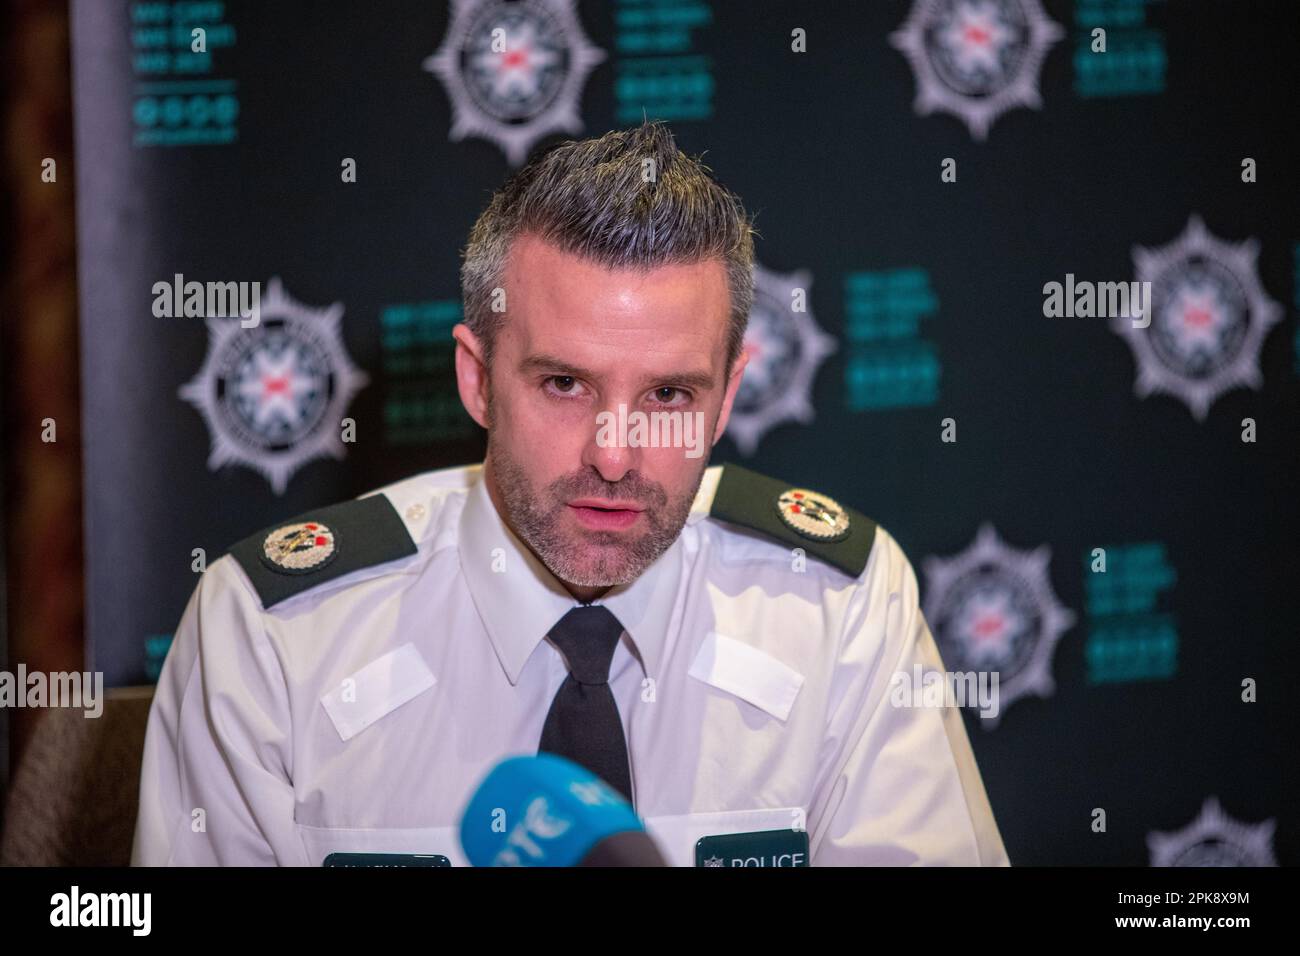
753,697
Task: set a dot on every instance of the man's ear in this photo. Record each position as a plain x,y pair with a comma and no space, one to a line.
471,373
733,385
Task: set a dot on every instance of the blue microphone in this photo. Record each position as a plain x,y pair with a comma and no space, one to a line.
545,810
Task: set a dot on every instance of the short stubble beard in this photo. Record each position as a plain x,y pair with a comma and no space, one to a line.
537,519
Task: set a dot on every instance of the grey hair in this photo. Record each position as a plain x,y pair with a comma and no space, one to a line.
590,198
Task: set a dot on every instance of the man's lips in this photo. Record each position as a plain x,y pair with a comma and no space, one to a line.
605,504
601,514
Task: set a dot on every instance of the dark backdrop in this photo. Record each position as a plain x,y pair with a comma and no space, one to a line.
225,165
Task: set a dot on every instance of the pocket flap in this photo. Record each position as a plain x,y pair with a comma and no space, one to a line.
748,673
379,688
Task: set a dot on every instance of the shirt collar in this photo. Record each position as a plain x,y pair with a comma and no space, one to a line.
522,601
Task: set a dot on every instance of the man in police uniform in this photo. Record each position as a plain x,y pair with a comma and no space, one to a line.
715,644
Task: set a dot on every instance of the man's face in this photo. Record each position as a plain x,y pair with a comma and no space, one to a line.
579,340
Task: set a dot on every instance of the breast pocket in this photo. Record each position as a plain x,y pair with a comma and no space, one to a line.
322,841
677,836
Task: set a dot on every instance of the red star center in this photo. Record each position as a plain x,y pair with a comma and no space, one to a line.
515,59
1197,318
273,384
988,626
977,35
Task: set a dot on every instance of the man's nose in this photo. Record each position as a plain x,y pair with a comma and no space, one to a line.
608,450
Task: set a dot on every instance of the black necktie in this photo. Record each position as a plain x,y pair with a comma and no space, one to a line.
583,723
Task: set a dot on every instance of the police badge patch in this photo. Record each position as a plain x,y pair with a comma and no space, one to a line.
514,72
976,59
992,608
813,515
274,395
1209,317
300,548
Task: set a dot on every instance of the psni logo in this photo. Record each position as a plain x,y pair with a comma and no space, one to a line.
786,346
976,59
274,396
1214,839
992,608
1209,317
514,72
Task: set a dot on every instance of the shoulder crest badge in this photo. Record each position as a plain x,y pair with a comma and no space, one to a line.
813,515
299,548
322,545
799,517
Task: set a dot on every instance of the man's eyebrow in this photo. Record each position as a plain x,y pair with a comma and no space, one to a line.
702,381
556,366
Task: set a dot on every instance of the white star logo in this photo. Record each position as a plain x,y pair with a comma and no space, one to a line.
992,607
1209,317
786,347
514,72
976,59
274,396
1214,839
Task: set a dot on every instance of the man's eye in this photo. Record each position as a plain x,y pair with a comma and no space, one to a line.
564,384
670,395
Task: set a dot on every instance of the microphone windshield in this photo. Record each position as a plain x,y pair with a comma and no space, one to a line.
544,810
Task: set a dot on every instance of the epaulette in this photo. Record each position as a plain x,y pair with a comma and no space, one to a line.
824,528
320,545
